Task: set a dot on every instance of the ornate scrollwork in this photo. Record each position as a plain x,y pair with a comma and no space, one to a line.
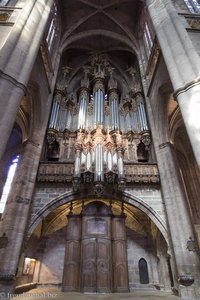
146,139
99,189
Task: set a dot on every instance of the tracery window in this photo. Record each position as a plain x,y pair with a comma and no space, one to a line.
147,38
193,6
146,32
53,27
8,183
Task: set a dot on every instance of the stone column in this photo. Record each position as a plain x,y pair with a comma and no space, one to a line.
183,64
15,216
187,262
16,61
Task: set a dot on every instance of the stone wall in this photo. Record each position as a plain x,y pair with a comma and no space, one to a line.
50,256
51,250
139,246
46,192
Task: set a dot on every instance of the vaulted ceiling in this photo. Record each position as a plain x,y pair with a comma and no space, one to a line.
103,26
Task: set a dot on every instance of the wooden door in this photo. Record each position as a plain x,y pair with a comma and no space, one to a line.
103,263
89,269
96,262
96,249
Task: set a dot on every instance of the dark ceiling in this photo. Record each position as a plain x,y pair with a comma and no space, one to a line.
100,26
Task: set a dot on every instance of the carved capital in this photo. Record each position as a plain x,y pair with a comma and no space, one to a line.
99,189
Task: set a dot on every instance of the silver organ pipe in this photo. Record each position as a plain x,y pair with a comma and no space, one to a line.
114,103
112,114
88,161
101,107
140,118
83,99
105,147
109,161
144,116
77,165
128,121
56,115
99,163
98,102
135,121
81,116
75,121
122,127
51,123
120,167
69,117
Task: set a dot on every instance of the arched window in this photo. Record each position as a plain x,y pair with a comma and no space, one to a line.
53,27
143,271
8,183
147,38
193,6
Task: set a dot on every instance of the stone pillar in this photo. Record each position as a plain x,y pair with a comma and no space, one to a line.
16,61
164,271
180,226
183,64
15,217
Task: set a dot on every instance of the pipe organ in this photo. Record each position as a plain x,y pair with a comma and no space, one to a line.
98,124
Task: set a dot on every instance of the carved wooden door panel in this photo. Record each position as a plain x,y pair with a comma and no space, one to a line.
96,260
103,264
89,278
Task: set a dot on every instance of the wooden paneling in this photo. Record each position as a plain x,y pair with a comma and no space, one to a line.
120,267
71,274
96,254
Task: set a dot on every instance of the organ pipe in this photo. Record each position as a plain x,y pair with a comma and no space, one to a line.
98,102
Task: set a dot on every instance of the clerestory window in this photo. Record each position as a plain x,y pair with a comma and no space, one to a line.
147,39
53,27
193,6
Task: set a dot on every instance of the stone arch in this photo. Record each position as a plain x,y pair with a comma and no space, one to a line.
113,195
91,33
